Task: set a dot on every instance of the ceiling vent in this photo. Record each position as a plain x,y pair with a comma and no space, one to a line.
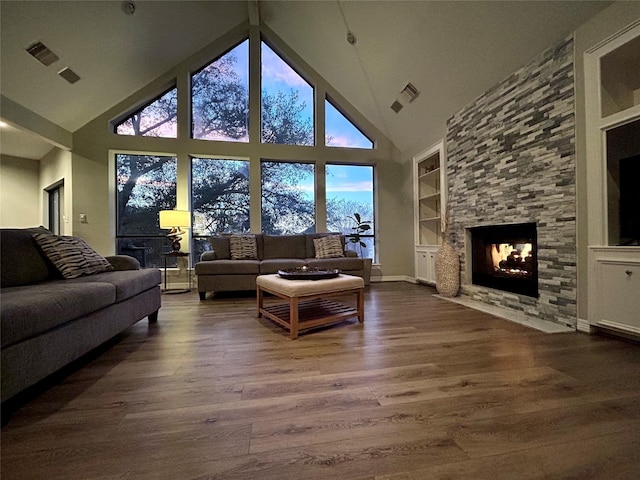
409,93
69,75
41,52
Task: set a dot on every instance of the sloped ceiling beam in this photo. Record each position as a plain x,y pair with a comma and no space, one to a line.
254,12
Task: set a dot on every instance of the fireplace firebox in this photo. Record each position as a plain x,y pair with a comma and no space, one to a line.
504,257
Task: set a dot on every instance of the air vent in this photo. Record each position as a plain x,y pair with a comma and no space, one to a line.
409,93
41,52
69,75
396,106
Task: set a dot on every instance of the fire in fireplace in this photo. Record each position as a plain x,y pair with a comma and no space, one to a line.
504,257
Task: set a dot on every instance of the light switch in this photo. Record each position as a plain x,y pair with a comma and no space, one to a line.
83,218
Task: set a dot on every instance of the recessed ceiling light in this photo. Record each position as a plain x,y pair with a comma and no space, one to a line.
129,8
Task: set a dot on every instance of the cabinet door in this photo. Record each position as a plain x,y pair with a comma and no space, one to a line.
619,295
422,265
431,267
425,265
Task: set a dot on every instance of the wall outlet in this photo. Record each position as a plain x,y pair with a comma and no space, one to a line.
83,218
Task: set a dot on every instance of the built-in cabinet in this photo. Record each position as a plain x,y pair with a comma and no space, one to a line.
612,81
615,300
429,173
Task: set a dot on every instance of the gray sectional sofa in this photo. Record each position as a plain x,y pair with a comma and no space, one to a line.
47,322
217,272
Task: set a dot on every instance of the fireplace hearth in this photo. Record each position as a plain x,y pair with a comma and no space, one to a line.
504,257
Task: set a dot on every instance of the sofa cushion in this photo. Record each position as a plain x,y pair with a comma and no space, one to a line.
310,237
128,283
328,247
284,246
220,245
243,247
272,265
228,267
28,310
346,264
72,256
22,262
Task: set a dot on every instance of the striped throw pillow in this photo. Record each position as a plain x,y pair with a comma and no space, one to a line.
243,247
71,256
328,247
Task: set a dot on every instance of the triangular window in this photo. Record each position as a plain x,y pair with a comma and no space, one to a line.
287,103
220,97
340,131
156,119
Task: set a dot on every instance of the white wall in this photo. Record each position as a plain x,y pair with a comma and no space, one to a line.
19,192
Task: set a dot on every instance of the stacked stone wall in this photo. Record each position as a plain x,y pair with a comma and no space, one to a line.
511,159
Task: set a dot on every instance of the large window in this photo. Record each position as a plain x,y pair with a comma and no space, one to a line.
220,97
350,191
288,200
218,184
287,103
219,199
146,184
156,119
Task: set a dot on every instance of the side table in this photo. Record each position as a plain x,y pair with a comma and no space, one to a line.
176,255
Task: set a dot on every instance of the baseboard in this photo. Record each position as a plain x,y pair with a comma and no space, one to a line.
584,326
392,278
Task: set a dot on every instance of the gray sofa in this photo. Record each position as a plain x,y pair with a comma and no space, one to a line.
47,322
217,272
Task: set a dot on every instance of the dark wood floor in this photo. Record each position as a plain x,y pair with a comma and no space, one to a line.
424,389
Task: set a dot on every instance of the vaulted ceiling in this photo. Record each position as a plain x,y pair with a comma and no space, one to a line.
452,51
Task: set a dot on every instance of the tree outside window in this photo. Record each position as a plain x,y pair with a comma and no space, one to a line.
287,103
156,119
288,200
146,184
219,199
220,98
349,191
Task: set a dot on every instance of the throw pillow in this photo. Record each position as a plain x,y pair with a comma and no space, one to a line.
243,247
71,256
328,247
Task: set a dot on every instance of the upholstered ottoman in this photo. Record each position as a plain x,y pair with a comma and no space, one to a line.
307,304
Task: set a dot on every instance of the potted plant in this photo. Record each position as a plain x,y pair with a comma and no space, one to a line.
359,228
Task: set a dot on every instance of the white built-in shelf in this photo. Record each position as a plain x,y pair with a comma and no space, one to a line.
429,200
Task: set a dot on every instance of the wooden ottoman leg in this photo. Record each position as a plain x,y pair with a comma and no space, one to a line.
361,305
293,318
260,300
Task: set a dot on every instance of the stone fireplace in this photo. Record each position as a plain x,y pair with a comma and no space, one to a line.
511,162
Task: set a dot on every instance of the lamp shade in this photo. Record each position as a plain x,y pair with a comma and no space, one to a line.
175,218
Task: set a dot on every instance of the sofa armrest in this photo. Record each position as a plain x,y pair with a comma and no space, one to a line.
350,253
208,255
123,262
